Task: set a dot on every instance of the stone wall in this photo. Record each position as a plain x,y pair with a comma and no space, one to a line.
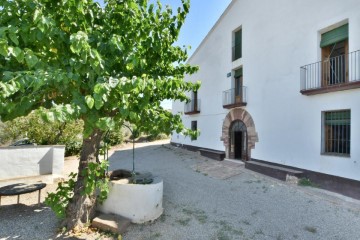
245,117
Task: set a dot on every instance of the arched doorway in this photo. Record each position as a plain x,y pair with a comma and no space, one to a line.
239,120
238,140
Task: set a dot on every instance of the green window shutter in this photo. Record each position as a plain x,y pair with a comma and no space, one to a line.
334,36
238,43
238,73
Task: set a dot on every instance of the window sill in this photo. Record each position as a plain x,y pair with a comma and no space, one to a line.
237,63
336,155
192,112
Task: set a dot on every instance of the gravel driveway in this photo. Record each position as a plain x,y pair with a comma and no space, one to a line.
205,199
203,203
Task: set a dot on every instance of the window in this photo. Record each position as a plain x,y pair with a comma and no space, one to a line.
194,99
237,49
336,132
334,51
194,128
238,80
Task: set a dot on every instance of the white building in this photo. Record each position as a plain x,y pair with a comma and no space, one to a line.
280,84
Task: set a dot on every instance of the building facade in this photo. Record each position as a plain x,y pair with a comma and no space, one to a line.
280,84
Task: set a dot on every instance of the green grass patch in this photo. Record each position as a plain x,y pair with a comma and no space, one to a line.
306,182
227,231
184,221
156,235
198,214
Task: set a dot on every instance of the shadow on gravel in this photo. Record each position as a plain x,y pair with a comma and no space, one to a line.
19,221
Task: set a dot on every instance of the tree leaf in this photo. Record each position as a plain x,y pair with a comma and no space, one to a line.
19,54
89,101
3,47
98,101
36,15
14,38
31,59
105,123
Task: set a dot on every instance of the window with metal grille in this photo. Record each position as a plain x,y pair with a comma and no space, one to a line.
336,132
194,128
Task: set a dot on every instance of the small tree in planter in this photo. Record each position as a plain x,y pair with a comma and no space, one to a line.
102,65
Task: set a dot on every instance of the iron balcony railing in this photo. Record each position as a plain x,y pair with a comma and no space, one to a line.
235,96
192,107
236,52
334,71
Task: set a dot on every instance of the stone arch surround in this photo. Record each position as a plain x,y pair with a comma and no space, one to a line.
245,117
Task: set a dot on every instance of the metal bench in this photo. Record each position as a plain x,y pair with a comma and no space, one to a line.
21,188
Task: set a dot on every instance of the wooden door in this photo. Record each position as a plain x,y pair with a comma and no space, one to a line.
238,89
335,64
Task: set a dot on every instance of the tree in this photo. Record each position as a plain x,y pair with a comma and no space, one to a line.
105,66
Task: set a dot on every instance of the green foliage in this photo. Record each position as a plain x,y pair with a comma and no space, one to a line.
155,137
102,65
115,136
72,148
42,132
58,201
306,182
95,179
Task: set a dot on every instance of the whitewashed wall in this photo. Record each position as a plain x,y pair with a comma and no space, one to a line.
279,36
28,161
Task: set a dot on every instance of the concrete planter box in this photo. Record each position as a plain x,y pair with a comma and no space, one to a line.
139,203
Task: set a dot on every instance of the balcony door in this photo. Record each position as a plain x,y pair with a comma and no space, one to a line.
238,89
335,51
238,85
194,99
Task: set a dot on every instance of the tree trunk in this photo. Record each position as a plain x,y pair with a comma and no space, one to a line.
81,208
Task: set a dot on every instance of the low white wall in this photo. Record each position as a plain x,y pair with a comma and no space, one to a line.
28,161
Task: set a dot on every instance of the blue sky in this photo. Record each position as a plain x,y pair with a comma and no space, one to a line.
202,16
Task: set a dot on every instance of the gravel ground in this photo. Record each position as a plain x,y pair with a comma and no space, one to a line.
201,204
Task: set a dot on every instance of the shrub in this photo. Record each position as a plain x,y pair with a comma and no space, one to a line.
115,137
44,133
306,182
154,137
72,148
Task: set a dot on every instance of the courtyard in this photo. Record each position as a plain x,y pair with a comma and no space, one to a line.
204,199
207,199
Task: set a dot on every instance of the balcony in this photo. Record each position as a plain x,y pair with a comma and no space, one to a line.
233,98
192,107
334,74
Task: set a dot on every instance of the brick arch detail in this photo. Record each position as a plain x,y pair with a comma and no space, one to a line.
245,117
